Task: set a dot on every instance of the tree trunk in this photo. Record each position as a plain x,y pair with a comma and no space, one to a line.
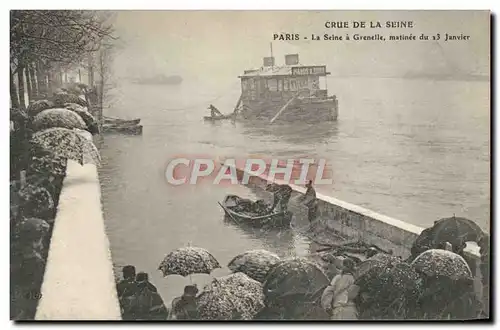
28,84
14,98
20,86
41,79
49,82
79,75
31,77
91,76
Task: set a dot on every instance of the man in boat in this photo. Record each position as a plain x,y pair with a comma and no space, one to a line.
282,194
214,112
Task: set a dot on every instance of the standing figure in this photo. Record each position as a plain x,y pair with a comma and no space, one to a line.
338,297
309,200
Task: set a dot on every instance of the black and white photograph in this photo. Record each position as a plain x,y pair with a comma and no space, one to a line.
250,165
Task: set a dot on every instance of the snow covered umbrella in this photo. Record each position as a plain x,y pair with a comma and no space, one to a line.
87,117
230,297
297,277
67,143
62,98
388,290
45,162
188,260
377,261
58,118
437,262
255,263
38,106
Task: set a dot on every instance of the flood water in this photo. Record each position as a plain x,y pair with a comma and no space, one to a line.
414,150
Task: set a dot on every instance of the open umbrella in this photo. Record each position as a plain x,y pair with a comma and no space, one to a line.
188,260
67,143
62,98
442,263
457,231
38,106
45,162
255,263
58,118
297,277
379,260
87,117
388,290
234,296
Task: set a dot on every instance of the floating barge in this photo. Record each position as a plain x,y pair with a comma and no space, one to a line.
288,93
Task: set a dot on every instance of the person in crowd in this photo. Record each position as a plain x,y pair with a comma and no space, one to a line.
143,277
144,304
338,297
127,286
185,307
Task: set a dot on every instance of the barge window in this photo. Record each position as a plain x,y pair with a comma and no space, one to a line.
272,84
280,85
286,84
293,84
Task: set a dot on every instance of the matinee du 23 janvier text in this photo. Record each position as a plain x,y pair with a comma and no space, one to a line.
339,25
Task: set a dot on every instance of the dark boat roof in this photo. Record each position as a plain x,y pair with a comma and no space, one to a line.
276,71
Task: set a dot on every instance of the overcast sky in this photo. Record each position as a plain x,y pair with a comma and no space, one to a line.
223,43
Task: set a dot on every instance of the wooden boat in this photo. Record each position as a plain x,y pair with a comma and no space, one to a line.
125,129
118,121
210,118
274,219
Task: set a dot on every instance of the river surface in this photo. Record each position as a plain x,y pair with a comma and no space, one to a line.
414,150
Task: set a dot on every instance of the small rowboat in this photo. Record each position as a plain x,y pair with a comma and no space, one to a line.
274,219
117,121
125,129
217,118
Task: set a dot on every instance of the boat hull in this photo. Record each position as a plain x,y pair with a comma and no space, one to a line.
272,220
123,129
309,111
116,121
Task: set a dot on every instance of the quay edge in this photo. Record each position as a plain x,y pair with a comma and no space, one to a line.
79,283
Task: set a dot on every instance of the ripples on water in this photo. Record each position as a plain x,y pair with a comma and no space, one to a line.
413,150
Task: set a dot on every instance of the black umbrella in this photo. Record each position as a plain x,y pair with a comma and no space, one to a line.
255,263
298,278
457,231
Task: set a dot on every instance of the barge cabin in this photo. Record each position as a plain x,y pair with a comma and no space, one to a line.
286,93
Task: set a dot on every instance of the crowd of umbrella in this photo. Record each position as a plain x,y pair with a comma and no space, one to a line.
43,137
437,284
